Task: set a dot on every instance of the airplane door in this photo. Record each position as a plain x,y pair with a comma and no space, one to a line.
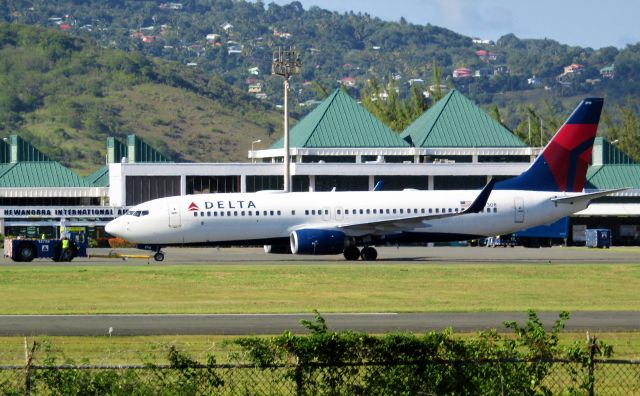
174,217
339,215
326,214
518,206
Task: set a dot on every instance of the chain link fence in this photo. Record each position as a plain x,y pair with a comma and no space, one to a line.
610,377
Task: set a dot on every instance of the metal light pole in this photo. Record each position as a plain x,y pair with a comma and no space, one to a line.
286,63
253,158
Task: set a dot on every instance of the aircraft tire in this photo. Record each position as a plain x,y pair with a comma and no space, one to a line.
159,256
351,253
369,253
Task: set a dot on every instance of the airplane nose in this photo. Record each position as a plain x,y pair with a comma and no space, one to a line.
112,228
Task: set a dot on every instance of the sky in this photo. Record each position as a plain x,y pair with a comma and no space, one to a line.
587,23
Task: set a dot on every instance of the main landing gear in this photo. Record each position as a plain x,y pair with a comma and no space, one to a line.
367,253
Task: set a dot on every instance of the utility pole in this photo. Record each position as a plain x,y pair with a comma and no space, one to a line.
286,63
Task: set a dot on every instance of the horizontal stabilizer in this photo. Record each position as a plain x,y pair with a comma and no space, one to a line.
586,196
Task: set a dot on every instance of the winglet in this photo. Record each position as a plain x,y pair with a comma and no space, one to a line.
480,202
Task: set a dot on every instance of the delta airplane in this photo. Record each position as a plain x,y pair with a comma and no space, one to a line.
352,223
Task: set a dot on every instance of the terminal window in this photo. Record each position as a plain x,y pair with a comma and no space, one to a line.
145,188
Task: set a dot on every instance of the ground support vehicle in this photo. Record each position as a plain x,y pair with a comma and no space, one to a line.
25,250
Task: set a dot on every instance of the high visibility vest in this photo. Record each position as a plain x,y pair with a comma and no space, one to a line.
65,243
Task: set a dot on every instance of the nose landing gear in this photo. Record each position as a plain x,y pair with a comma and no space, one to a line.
159,256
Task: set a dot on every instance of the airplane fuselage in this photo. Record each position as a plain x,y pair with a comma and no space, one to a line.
263,217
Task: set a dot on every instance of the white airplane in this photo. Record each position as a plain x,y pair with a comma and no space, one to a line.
352,223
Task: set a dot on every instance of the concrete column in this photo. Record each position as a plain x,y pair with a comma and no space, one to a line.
183,184
372,182
430,182
312,182
243,183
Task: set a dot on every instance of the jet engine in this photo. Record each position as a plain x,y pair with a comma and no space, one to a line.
314,241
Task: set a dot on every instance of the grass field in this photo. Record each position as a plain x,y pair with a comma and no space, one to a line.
328,287
141,349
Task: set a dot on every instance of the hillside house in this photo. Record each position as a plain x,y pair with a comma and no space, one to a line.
171,6
254,70
500,69
212,37
255,88
486,55
462,72
347,81
574,68
608,71
234,49
284,35
226,26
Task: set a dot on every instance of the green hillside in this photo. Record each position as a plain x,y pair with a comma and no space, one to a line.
66,95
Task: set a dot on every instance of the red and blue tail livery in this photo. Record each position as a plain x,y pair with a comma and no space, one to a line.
562,165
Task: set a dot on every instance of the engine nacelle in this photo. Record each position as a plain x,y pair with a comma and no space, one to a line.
314,241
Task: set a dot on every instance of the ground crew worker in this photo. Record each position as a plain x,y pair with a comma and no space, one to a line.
65,246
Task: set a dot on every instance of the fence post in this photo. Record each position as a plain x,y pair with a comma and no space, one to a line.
299,382
28,358
591,346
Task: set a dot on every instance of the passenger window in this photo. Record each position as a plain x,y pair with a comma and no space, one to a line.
215,214
293,213
228,213
338,211
456,210
361,211
437,210
387,211
208,214
430,210
401,211
221,214
313,212
264,212
422,210
495,210
394,211
242,213
235,212
375,211
279,213
306,212
195,214
368,211
271,213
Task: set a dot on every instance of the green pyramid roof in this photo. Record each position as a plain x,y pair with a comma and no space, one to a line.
39,174
339,121
455,121
99,178
613,176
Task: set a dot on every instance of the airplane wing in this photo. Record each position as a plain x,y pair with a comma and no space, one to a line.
410,222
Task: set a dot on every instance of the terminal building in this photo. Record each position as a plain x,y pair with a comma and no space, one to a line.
453,145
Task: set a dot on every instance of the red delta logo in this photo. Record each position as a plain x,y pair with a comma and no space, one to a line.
193,207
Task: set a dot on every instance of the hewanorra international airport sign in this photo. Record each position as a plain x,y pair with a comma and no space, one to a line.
48,212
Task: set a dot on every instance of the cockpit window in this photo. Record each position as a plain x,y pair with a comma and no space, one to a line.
137,213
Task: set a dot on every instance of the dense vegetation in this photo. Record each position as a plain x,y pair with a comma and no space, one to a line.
66,95
219,42
324,362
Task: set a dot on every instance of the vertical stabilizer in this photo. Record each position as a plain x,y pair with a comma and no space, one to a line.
562,165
